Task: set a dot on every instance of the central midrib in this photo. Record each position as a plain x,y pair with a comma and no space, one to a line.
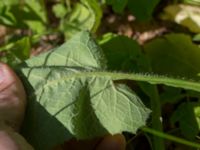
152,79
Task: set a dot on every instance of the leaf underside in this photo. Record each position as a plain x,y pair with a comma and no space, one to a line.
71,95
64,101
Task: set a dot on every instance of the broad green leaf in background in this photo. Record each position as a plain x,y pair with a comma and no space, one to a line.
123,53
171,95
193,94
187,115
64,101
174,55
117,5
142,9
86,15
185,15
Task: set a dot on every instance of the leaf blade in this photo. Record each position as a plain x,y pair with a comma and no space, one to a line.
62,94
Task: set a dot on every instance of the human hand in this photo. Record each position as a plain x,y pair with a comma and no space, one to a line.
12,109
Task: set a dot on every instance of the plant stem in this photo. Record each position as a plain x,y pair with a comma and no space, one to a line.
149,78
68,3
46,20
170,137
158,143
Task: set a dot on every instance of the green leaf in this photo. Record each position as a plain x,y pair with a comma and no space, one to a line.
59,10
10,59
66,99
171,95
84,16
26,14
117,5
17,51
123,53
185,115
67,90
21,49
185,15
142,9
174,55
36,17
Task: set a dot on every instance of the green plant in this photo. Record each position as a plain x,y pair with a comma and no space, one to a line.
69,92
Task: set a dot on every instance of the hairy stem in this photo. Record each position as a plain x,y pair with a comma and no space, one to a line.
150,78
170,137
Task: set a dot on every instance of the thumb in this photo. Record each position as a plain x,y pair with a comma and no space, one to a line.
12,108
12,98
115,142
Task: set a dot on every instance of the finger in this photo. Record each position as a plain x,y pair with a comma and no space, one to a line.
12,108
7,143
11,140
115,142
12,98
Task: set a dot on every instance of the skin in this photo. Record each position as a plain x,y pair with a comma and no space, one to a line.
12,109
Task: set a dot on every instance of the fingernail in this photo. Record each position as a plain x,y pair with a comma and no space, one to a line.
1,72
116,142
